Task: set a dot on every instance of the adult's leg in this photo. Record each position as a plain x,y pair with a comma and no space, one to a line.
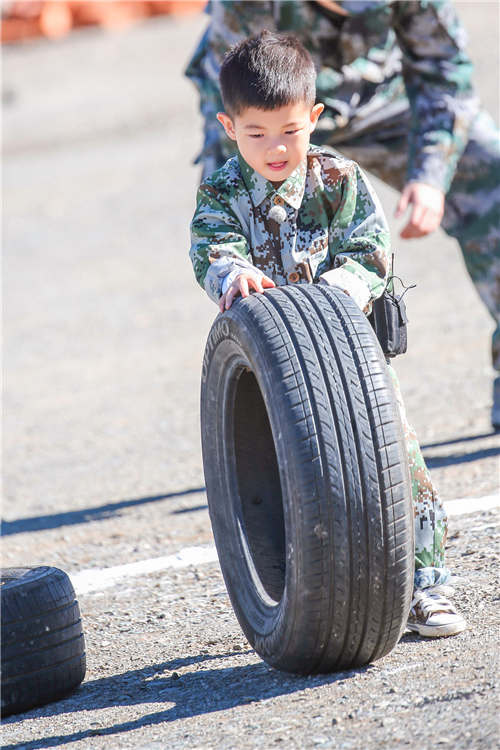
472,216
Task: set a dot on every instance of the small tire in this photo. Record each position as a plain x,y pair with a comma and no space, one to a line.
43,647
307,479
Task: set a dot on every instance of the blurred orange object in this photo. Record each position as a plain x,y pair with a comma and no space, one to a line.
55,18
20,20
177,7
108,14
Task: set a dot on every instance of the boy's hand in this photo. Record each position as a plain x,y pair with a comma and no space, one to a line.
427,208
241,285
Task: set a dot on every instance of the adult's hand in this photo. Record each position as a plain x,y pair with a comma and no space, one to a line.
427,206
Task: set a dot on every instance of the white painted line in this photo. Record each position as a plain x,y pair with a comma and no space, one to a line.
96,579
472,504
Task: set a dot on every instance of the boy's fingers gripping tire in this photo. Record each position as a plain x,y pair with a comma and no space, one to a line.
43,648
307,479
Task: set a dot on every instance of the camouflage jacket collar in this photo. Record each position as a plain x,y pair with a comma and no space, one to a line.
292,189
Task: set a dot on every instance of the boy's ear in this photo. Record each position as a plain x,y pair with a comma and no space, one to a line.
227,124
315,113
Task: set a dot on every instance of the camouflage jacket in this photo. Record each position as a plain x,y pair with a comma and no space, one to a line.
374,59
328,218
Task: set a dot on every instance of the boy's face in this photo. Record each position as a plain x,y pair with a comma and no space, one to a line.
273,142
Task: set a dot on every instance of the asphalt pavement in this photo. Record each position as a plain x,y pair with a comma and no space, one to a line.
104,330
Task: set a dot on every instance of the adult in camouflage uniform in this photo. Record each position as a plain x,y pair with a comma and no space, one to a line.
395,79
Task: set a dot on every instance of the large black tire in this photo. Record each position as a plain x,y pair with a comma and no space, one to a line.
307,479
43,649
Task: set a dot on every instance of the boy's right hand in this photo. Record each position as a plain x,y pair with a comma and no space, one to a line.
241,285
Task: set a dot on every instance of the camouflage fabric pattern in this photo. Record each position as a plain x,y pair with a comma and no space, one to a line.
431,521
472,216
472,204
332,219
368,61
396,82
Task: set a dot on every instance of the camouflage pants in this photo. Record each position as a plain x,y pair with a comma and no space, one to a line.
431,522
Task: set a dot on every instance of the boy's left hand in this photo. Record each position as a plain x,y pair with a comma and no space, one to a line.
427,208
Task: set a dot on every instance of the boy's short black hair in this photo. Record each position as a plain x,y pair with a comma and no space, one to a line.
267,71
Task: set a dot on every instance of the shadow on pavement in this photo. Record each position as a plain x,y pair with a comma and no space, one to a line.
189,510
192,694
434,462
452,441
70,518
102,512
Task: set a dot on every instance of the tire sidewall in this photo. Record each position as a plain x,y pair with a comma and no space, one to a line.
230,348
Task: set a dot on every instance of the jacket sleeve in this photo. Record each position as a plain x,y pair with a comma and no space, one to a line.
218,246
359,241
437,73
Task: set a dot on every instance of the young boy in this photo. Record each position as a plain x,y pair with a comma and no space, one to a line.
286,212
